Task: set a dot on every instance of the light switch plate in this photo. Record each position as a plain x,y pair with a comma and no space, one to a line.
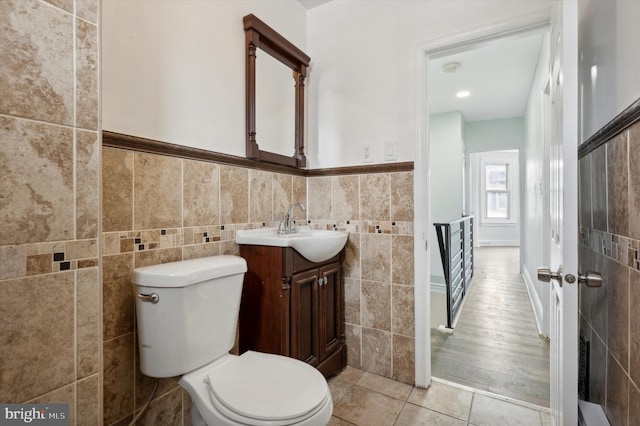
390,151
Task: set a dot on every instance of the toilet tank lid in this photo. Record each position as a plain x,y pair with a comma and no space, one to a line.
187,272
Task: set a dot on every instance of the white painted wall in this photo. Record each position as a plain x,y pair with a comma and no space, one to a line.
446,194
361,88
494,135
175,70
534,250
608,43
446,162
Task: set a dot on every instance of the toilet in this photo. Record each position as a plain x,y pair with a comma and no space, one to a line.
187,316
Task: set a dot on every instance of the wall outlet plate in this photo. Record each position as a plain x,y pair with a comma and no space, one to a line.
367,153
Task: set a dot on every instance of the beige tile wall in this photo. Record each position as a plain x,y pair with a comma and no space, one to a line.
50,337
377,210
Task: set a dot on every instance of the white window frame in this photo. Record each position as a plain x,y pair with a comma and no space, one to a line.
510,159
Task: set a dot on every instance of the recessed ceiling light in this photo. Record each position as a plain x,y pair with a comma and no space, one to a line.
463,94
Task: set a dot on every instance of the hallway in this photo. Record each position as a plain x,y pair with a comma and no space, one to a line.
495,346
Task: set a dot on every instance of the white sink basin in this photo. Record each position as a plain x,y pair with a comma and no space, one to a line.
315,245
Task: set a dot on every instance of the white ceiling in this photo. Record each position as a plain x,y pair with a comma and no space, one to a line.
498,75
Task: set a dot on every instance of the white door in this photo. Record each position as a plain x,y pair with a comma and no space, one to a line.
564,214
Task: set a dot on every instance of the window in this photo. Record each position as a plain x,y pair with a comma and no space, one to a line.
497,191
497,187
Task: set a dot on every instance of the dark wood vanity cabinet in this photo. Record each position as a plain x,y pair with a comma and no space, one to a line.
293,307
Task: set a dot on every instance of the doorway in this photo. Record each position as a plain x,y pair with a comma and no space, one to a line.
484,130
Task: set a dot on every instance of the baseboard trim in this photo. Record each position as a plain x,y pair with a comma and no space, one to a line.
499,243
439,287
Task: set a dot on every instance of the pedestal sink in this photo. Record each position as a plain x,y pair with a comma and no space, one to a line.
315,245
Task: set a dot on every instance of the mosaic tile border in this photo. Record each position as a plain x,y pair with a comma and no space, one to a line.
623,250
44,258
165,238
365,227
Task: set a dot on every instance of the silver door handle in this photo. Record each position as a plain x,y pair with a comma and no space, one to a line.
545,275
591,279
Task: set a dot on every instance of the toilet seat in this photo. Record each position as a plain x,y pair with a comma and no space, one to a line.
260,389
266,387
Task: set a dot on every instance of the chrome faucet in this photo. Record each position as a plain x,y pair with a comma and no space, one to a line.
287,225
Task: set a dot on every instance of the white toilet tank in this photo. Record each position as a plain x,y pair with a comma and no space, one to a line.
194,319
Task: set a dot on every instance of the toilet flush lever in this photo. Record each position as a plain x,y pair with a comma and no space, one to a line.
153,297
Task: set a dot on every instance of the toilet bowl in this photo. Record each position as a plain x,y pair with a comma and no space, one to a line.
258,389
187,316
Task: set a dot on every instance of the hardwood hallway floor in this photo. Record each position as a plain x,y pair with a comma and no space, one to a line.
495,346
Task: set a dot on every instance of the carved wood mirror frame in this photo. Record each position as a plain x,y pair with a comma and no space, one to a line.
259,35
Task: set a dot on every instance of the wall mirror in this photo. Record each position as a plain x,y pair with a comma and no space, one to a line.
275,73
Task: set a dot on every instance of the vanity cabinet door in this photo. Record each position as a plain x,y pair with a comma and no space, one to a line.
330,313
293,307
304,317
265,305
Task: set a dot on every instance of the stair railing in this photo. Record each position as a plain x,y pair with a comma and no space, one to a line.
455,240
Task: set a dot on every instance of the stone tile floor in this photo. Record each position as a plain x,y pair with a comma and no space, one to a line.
365,399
